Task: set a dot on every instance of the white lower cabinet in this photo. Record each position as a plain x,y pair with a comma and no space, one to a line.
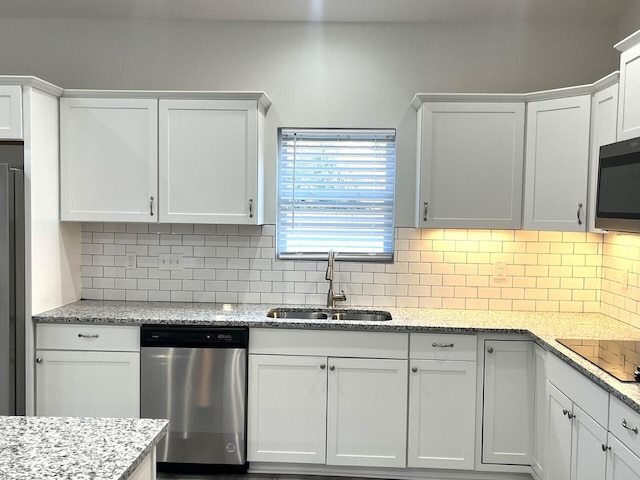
287,408
367,412
574,441
442,401
87,371
339,408
622,464
508,402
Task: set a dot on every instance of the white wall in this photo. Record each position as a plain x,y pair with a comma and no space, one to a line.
343,75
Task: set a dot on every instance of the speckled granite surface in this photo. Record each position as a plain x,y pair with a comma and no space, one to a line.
543,327
42,448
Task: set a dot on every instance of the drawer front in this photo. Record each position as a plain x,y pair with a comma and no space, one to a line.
116,338
586,394
620,413
436,346
328,343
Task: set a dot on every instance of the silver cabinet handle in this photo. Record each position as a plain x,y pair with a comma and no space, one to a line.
39,360
414,369
426,210
323,366
94,335
251,208
633,429
578,214
442,345
332,367
606,447
151,206
490,349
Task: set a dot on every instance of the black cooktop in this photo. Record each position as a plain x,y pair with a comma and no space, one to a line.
619,358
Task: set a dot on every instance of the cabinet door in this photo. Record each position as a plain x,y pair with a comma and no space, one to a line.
558,446
87,384
209,161
629,101
508,402
588,457
367,412
442,409
557,159
10,112
108,159
622,464
470,161
287,409
604,109
540,415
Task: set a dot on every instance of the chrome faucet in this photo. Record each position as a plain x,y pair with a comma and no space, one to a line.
332,297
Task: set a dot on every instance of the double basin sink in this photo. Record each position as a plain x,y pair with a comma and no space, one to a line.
320,314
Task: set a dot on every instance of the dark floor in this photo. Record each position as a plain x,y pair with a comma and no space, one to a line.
175,476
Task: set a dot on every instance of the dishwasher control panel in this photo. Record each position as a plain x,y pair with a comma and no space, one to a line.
193,337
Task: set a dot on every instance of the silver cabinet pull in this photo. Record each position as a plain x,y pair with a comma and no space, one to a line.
323,366
426,210
606,447
414,369
151,206
332,367
490,349
578,214
633,429
251,208
39,360
442,345
568,413
93,335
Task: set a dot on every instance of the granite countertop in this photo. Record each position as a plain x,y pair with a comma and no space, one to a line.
41,448
543,327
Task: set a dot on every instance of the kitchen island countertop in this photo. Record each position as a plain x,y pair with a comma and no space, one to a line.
48,448
544,327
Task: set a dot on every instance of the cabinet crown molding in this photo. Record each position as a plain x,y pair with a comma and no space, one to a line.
564,92
30,81
261,97
627,43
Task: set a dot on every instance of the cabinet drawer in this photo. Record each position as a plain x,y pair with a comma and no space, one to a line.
328,343
619,413
117,338
591,398
436,346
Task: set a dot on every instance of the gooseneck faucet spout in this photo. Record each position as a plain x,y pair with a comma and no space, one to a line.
332,297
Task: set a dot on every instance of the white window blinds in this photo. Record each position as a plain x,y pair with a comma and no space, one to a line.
336,191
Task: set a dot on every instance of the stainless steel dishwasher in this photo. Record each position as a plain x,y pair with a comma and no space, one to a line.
197,378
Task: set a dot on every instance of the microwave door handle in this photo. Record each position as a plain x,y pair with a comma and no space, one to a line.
578,214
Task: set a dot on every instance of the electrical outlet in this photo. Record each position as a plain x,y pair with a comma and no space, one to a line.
132,261
176,261
624,279
499,270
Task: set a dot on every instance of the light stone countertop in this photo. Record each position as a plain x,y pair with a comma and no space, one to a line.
47,448
543,327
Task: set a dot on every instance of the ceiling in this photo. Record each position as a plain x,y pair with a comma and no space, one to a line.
323,10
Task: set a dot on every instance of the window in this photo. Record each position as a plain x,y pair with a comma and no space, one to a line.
336,191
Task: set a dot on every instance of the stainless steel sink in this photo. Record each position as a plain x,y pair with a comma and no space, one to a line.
317,314
362,316
297,314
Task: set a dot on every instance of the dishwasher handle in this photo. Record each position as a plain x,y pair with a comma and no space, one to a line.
193,337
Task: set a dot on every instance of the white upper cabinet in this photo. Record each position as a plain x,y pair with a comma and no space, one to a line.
173,160
108,159
470,161
557,159
604,110
629,101
210,163
10,112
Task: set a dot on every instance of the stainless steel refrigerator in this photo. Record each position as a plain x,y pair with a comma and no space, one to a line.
12,279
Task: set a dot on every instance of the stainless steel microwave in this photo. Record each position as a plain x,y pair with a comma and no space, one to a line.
618,197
